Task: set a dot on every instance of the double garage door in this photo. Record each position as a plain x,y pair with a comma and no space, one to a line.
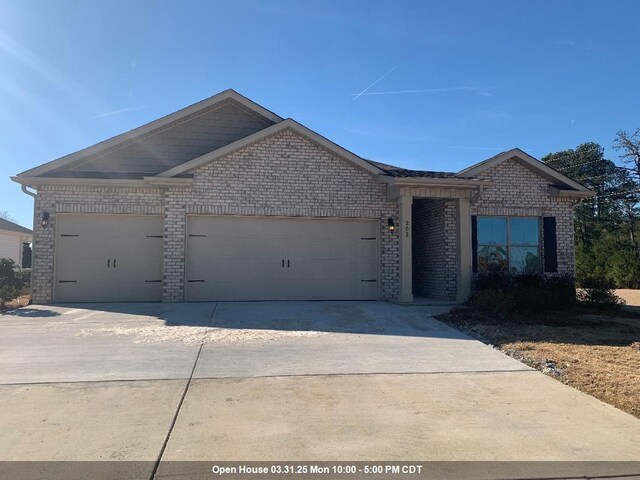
118,258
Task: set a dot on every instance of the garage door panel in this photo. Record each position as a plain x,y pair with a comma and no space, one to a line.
212,247
138,269
262,258
109,258
234,269
75,267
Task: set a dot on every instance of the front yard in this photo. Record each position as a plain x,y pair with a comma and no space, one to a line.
597,352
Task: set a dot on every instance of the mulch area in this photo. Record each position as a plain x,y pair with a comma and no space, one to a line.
21,301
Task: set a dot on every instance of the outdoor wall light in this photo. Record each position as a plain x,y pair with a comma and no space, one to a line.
45,220
391,226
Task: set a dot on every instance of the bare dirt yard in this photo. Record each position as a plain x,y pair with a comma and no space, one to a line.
597,352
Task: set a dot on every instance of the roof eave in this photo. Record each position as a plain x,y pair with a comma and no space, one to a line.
104,182
468,183
554,191
15,233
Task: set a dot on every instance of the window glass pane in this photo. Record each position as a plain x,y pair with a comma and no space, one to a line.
524,260
492,259
492,231
523,231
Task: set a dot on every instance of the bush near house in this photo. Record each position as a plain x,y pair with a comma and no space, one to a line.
508,293
11,281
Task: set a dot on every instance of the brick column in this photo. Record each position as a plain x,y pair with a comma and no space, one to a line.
406,258
173,255
463,220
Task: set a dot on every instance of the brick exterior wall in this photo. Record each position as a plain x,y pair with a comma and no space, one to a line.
283,175
288,175
434,249
520,192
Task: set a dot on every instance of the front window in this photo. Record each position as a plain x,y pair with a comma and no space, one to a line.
508,244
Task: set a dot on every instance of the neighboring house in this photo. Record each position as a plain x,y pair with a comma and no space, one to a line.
225,200
12,240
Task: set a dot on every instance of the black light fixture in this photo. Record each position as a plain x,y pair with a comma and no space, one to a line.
45,220
391,226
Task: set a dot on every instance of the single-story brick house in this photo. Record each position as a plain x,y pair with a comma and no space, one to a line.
225,200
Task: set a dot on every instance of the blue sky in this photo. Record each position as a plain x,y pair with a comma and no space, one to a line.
472,78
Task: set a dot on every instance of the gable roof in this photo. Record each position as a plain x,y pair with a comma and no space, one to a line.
13,227
143,141
531,163
272,130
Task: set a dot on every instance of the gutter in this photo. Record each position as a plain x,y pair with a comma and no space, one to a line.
435,182
577,194
104,182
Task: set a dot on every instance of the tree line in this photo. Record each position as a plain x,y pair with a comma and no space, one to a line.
606,225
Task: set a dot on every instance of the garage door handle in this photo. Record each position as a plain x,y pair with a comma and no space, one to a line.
283,263
108,263
288,264
114,263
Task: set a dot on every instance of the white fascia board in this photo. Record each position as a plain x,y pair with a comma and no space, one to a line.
37,181
436,182
579,194
105,182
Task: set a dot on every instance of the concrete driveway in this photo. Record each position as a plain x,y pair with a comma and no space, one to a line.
281,381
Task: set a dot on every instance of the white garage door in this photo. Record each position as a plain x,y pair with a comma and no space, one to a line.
258,258
108,258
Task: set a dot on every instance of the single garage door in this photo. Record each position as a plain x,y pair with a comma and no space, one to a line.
266,258
108,258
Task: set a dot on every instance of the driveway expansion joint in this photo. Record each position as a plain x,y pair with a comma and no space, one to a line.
369,374
184,395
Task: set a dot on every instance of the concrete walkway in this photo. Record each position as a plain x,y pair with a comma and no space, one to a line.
281,381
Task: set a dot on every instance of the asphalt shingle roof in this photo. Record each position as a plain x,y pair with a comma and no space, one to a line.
13,227
394,171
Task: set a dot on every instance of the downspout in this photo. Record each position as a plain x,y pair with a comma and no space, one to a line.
33,240
31,194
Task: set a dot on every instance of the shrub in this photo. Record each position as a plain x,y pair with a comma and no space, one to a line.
494,280
494,300
598,292
10,281
519,293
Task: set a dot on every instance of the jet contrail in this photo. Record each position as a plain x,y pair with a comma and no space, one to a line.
425,90
357,95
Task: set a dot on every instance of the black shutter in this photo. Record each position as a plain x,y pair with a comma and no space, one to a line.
550,244
474,242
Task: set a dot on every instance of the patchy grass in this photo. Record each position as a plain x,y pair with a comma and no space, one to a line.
21,301
594,351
